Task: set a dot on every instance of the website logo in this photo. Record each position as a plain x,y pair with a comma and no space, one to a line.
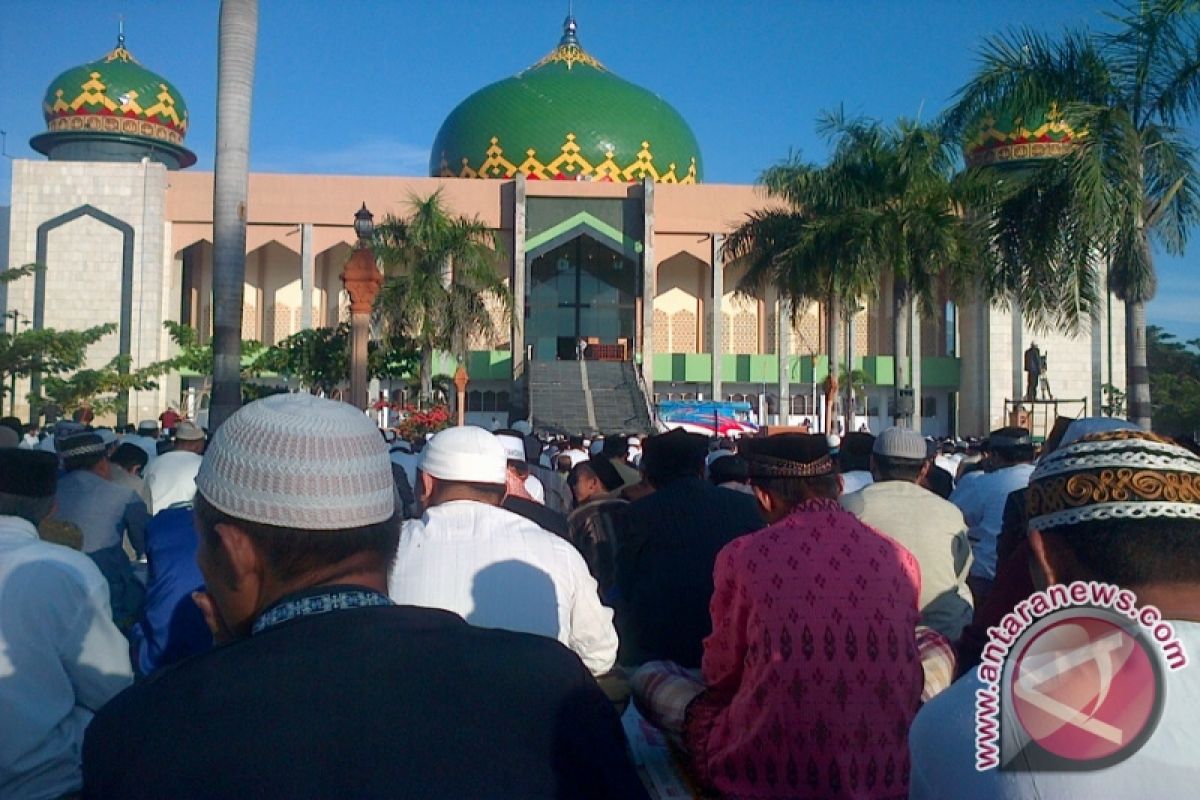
1073,680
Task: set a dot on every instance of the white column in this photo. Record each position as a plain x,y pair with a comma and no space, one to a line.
649,285
307,272
714,312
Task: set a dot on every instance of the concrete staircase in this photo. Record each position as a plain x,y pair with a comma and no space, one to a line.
570,397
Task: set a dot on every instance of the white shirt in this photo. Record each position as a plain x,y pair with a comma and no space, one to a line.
61,659
171,479
981,499
942,743
496,569
856,479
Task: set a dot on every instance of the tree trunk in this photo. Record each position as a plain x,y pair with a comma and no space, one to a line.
235,83
426,377
1137,374
835,358
900,315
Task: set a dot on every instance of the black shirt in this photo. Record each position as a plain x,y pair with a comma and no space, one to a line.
366,702
667,545
540,515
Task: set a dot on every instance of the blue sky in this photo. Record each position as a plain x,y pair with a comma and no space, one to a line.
362,87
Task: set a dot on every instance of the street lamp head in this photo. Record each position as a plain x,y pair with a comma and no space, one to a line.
364,224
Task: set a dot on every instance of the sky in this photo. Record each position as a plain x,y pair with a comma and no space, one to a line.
362,87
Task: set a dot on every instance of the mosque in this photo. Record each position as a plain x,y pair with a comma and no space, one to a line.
595,187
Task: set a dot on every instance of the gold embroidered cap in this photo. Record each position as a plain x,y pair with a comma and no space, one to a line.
1114,475
789,455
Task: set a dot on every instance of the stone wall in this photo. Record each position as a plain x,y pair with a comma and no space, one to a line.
84,257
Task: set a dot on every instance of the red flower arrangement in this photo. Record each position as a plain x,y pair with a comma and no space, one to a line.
416,423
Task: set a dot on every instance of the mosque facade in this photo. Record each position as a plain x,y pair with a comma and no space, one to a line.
595,188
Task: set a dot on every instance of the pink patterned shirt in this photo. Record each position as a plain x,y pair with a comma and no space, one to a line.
812,671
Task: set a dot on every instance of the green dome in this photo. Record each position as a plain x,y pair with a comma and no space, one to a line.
566,118
1008,139
115,103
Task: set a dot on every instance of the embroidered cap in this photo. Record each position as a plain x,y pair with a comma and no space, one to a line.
788,455
78,445
299,461
1114,475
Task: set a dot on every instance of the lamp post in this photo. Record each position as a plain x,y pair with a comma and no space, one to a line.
461,379
362,280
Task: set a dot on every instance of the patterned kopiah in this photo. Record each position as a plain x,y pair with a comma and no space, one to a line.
1115,475
298,461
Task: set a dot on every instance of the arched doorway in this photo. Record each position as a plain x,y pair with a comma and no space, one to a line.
581,288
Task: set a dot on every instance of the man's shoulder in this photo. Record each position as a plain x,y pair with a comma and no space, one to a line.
893,496
45,562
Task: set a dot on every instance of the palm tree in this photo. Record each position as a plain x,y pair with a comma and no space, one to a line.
807,255
235,83
1129,181
887,202
897,185
440,273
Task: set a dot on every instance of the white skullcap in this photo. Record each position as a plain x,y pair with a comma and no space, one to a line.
299,461
522,426
900,443
514,446
833,440
535,488
576,456
468,454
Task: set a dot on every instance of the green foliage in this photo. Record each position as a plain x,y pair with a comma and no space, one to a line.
319,358
198,358
1114,401
103,390
392,358
440,271
1174,382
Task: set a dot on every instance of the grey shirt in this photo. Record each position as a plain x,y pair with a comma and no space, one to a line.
104,511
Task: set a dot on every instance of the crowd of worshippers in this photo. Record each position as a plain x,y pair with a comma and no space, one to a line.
302,608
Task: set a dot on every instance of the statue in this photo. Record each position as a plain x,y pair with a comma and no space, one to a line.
1035,370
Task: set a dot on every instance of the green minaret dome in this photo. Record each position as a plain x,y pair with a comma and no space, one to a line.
114,109
566,118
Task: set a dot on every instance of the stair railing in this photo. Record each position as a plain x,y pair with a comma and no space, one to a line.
647,399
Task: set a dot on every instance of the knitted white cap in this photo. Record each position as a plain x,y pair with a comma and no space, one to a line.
467,454
299,461
900,443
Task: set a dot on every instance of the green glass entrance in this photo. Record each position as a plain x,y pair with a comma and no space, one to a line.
581,289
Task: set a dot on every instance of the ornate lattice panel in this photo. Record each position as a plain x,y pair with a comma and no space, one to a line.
683,332
250,321
662,331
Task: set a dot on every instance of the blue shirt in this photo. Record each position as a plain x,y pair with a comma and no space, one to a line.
171,627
